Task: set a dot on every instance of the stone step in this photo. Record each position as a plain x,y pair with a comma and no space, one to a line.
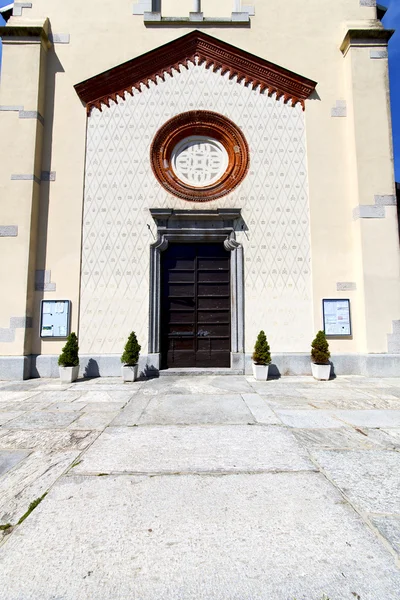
197,371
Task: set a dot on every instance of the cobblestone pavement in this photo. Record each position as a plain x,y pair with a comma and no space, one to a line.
209,487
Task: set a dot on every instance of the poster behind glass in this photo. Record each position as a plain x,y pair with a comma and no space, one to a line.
337,321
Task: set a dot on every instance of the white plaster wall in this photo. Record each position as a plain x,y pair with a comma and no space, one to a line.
120,188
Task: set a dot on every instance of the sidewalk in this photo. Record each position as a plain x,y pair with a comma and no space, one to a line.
214,487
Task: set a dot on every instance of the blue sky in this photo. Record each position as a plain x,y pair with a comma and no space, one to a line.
391,21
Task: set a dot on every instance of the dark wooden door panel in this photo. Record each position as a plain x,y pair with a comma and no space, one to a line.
196,306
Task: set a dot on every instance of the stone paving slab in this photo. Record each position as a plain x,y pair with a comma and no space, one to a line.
310,419
8,417
133,410
29,480
333,439
389,527
54,440
9,459
389,438
371,479
43,420
321,419
260,410
267,537
105,396
194,449
196,408
94,420
6,396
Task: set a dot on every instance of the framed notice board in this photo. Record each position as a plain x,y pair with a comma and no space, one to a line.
337,319
55,317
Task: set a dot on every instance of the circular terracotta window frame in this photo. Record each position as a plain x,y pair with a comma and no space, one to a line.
207,124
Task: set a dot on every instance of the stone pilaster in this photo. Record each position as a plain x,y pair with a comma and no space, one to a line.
22,99
371,187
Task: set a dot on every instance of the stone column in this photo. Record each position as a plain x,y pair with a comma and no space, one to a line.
22,97
371,188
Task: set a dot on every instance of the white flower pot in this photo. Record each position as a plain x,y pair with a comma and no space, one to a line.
129,373
260,372
321,372
68,374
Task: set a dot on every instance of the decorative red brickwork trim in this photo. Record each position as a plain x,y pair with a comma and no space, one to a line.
216,54
199,123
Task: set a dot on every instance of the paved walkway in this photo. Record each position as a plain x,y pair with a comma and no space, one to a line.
201,488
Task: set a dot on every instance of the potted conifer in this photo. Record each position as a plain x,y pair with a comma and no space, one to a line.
320,365
69,360
130,358
261,358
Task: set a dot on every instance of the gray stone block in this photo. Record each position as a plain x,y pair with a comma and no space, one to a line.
240,17
196,16
396,327
388,200
31,114
20,322
382,365
238,361
24,177
19,6
371,3
60,38
378,54
152,16
15,367
11,108
48,176
141,7
8,230
367,211
346,286
7,336
394,343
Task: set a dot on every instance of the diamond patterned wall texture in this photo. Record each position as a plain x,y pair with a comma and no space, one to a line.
120,188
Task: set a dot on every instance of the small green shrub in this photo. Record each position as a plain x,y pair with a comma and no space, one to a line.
69,356
261,354
132,348
320,349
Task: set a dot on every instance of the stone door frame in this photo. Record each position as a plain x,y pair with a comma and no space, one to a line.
194,226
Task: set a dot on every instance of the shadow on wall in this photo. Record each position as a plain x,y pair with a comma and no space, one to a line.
92,369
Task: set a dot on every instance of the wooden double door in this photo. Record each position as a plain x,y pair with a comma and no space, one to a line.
195,306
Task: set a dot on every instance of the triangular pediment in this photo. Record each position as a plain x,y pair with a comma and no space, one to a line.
203,49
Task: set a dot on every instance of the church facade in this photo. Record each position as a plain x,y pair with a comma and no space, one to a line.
197,173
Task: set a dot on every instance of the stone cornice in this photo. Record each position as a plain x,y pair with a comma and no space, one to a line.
365,37
195,46
26,34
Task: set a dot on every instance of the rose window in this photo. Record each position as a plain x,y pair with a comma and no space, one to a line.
199,161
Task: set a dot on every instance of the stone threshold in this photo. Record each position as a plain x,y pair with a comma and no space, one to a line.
197,371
